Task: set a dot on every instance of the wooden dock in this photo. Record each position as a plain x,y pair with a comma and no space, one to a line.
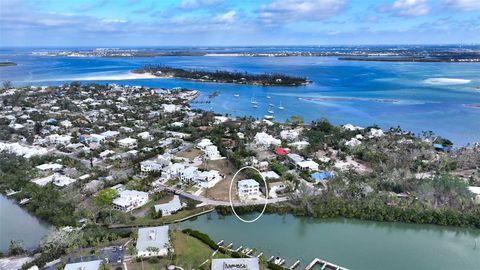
324,265
294,265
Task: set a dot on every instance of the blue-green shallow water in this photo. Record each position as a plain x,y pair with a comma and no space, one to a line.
18,224
360,245
422,106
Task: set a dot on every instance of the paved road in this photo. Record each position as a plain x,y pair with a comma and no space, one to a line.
209,201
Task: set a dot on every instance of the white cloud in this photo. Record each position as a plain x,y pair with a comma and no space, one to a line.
310,10
192,4
227,17
407,8
467,5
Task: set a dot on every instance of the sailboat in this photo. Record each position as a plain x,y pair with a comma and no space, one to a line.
237,95
270,111
254,102
281,107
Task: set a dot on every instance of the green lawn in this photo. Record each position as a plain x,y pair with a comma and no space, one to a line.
168,219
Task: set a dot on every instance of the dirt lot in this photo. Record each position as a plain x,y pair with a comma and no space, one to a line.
226,168
189,153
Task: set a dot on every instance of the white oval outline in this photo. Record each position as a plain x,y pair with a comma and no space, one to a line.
230,195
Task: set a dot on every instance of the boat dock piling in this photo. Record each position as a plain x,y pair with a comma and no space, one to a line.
294,265
324,265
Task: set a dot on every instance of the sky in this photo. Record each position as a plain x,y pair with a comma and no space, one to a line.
65,23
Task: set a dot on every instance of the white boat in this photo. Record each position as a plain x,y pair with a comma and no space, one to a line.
237,95
268,117
254,101
255,105
269,97
270,111
281,107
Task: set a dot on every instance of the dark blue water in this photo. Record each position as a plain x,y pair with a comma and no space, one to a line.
420,106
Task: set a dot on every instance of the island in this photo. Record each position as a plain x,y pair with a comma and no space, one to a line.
7,64
272,79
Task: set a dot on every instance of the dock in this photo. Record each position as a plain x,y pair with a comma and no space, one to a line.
294,265
324,265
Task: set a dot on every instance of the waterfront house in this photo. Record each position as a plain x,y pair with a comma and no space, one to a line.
235,264
153,241
248,188
170,207
89,265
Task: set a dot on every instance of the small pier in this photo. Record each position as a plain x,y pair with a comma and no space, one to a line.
294,265
324,265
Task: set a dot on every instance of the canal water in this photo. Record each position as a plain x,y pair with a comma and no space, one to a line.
354,244
18,224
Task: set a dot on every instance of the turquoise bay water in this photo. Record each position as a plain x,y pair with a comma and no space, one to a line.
358,245
421,106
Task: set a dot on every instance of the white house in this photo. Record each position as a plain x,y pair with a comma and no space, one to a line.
145,136
307,165
129,199
289,135
212,152
265,139
89,265
270,175
173,170
375,133
170,207
128,142
476,192
153,241
150,166
353,142
189,174
170,108
110,134
59,139
204,143
66,124
208,179
50,167
247,188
